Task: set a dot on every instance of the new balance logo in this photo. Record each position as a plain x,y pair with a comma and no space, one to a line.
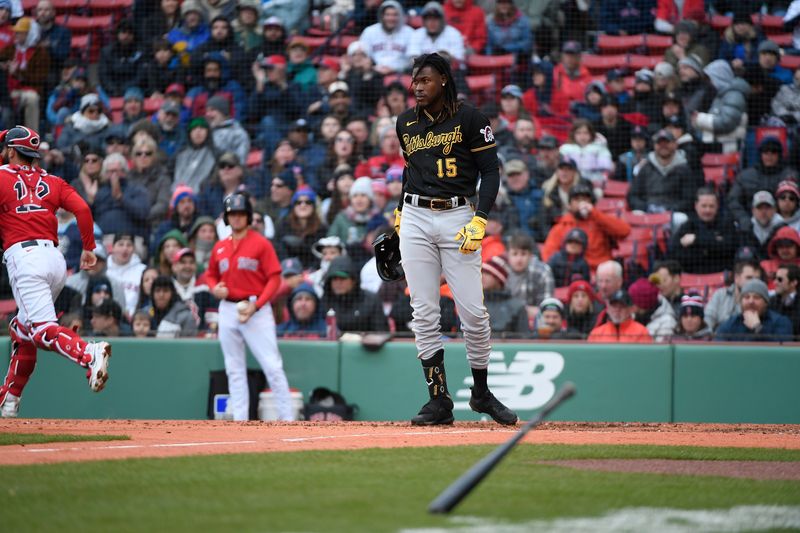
526,383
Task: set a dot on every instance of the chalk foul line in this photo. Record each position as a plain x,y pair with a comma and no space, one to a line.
139,446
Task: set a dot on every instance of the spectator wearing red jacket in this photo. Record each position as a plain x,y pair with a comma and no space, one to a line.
570,79
669,13
620,327
470,20
600,228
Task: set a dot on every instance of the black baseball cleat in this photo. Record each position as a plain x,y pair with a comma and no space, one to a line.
491,406
438,411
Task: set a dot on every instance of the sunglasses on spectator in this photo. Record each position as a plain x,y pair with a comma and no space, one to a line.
140,154
277,184
227,165
303,202
91,159
787,197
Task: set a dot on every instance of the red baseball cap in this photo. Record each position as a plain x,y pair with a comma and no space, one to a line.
180,254
329,62
273,60
176,88
788,186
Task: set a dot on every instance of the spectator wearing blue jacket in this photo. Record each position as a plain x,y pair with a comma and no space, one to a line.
509,31
526,197
756,322
192,31
305,315
120,206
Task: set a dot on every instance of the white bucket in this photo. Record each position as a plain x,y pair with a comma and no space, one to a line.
268,411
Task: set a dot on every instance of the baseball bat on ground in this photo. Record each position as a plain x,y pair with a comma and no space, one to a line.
458,490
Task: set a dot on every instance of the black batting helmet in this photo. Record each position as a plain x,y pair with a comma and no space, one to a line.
387,256
22,139
237,202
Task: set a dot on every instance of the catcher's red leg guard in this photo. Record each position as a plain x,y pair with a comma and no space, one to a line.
23,361
51,336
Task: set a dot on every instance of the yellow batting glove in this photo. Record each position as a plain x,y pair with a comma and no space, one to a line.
471,235
397,215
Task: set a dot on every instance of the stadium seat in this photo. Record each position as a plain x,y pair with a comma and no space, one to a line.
480,83
29,5
771,24
69,6
617,44
656,44
647,219
601,64
80,45
79,25
635,250
481,64
720,160
637,62
254,158
784,40
562,293
616,189
719,176
705,284
312,42
116,103
720,22
118,8
613,206
151,105
404,79
555,126
790,62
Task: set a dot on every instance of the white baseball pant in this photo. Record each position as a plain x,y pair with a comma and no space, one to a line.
259,334
428,248
37,275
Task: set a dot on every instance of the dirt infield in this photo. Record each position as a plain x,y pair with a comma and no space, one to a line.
179,438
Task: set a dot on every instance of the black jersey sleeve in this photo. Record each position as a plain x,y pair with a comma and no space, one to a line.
484,152
405,167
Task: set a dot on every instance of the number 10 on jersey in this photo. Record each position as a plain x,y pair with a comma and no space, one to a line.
446,167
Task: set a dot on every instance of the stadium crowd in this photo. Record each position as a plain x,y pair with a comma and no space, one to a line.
648,153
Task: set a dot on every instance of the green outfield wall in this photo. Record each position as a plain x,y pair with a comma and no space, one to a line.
169,379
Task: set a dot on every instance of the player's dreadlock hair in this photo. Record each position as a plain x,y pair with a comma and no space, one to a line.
442,66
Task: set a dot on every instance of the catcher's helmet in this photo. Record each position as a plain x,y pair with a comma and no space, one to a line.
24,140
387,256
237,202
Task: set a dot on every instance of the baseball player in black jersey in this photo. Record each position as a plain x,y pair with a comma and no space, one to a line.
447,146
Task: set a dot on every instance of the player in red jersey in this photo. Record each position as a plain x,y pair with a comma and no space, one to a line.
244,273
29,199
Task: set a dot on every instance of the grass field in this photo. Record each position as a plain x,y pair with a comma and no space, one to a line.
36,438
369,490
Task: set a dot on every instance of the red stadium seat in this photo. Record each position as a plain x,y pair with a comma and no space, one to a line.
29,5
647,219
118,8
254,158
637,62
480,83
613,206
720,160
790,62
555,126
632,250
784,40
616,44
656,44
116,103
481,64
602,64
312,42
69,6
79,25
404,79
562,293
80,46
719,176
616,189
151,105
720,22
770,23
694,281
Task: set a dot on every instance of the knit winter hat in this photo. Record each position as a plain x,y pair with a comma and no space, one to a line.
644,294
758,287
580,285
362,185
497,267
577,235
220,104
181,192
692,61
692,304
553,304
304,192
